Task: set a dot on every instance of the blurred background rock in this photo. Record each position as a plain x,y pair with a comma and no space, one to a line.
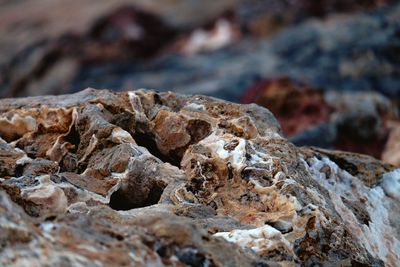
329,70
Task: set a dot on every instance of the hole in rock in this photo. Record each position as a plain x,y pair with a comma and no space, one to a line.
191,257
149,143
162,250
122,200
50,218
73,138
19,170
115,235
198,130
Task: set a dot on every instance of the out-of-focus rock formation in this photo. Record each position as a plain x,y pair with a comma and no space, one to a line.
145,178
362,122
331,45
296,106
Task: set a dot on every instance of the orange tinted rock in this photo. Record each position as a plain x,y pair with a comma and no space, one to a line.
170,131
144,178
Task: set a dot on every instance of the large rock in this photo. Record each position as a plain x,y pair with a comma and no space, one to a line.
143,178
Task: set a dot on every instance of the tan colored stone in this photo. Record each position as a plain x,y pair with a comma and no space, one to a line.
239,194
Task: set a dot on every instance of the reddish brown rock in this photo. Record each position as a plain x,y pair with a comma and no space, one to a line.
350,121
239,194
297,107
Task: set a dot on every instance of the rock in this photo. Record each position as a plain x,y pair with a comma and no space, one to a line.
213,36
350,121
362,120
265,18
296,106
127,33
145,178
330,52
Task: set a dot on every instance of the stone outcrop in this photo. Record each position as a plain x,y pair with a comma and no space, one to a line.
143,178
219,49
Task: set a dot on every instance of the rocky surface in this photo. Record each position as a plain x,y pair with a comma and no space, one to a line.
143,178
224,49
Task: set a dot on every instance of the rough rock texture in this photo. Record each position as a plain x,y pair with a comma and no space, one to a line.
143,178
219,48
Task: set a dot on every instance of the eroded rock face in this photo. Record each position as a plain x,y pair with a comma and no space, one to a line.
143,178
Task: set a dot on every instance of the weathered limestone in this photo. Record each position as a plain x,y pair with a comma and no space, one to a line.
143,178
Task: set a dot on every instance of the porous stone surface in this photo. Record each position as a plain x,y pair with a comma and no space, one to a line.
143,178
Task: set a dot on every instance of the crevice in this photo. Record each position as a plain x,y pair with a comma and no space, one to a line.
50,218
283,227
73,137
191,257
154,196
120,117
358,210
198,130
69,162
19,170
120,200
148,142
